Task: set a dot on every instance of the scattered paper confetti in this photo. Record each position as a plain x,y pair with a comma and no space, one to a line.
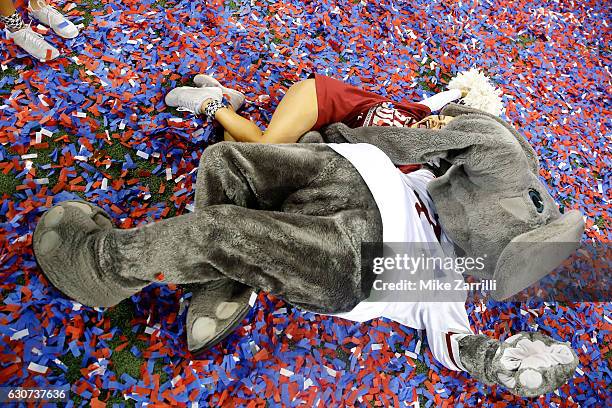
93,125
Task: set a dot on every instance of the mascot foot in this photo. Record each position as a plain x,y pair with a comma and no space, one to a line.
527,364
72,245
216,309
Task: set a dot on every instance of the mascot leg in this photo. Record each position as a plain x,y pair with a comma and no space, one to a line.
223,169
300,240
527,364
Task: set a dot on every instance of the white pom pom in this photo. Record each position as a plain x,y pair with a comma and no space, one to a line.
481,93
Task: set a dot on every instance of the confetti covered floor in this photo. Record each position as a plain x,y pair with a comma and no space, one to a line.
93,125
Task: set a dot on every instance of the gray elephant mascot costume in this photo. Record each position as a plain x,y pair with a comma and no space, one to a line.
290,220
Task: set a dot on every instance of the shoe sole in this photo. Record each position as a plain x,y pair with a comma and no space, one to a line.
232,325
35,235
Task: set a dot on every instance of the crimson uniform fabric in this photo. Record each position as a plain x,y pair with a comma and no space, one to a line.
340,102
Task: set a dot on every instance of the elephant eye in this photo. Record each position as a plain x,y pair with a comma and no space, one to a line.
536,198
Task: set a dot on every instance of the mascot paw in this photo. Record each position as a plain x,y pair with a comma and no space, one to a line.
532,364
216,309
69,247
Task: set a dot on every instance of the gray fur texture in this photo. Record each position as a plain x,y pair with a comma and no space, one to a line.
286,219
485,200
290,219
71,247
476,353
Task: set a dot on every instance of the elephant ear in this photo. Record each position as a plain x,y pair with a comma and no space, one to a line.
454,109
534,254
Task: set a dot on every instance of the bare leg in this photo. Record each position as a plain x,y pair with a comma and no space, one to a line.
295,115
37,4
7,7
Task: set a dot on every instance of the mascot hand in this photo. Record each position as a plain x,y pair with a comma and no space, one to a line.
527,364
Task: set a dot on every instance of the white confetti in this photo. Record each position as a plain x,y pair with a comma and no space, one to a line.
417,348
37,368
42,100
104,185
330,371
151,330
29,156
142,154
20,334
168,173
98,371
285,372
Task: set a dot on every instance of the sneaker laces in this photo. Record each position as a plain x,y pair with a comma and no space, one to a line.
49,11
189,108
34,37
191,105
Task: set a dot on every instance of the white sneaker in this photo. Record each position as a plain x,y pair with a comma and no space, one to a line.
236,99
190,99
33,43
56,20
